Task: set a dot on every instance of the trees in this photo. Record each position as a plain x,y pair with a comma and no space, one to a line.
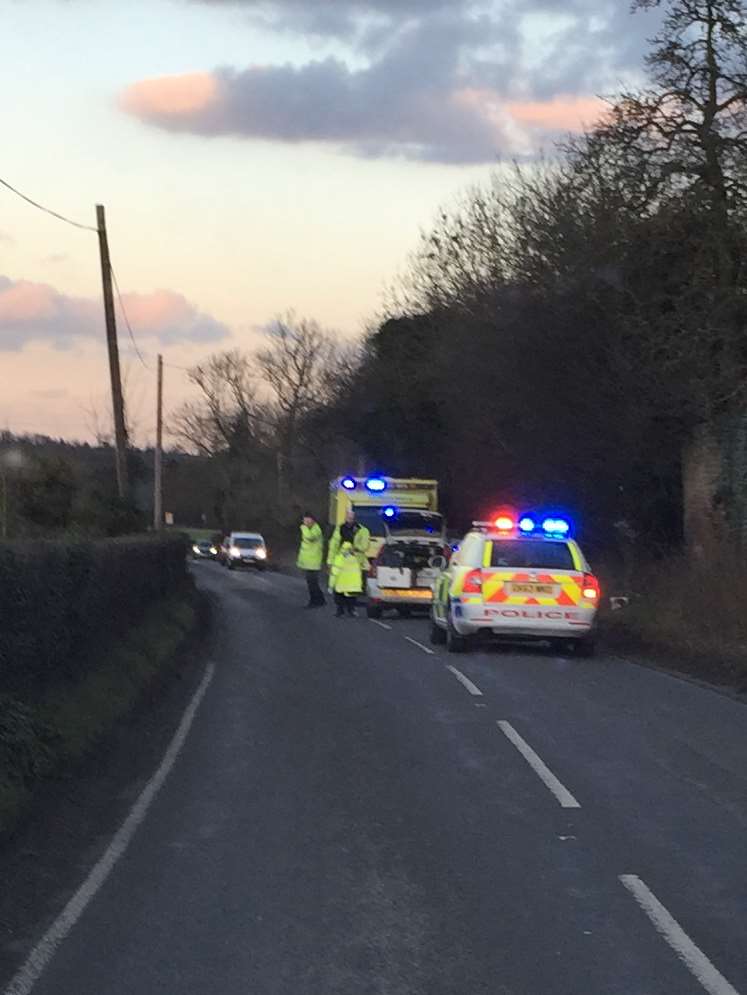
678,151
577,329
296,365
258,417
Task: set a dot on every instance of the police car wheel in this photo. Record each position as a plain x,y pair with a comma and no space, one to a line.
585,647
454,642
438,635
373,611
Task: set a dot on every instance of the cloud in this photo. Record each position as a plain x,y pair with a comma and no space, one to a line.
561,114
344,19
37,312
55,258
6,239
455,81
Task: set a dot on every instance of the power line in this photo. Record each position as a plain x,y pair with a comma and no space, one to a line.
76,224
60,217
126,319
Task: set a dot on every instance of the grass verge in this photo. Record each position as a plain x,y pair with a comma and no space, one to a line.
688,617
43,738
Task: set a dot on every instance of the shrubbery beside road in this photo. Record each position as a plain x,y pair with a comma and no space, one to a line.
84,628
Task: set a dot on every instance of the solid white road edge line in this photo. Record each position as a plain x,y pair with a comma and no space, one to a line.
43,952
542,771
465,681
425,649
670,930
382,625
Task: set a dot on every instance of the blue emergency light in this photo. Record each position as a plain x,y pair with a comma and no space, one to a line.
348,483
556,527
376,485
527,525
390,512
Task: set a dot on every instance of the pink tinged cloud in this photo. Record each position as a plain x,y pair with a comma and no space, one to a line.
37,312
327,102
561,113
171,97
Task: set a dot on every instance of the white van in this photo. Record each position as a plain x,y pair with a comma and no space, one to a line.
245,549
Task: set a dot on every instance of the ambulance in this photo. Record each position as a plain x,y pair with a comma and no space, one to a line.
517,577
377,500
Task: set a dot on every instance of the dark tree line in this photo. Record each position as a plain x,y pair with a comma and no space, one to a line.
575,332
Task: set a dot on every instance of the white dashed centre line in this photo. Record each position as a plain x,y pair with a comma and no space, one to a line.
425,649
542,771
670,930
465,681
382,625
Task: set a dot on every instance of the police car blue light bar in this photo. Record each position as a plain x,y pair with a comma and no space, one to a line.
348,483
527,524
559,527
376,485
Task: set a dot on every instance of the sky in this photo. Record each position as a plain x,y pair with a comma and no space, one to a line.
254,157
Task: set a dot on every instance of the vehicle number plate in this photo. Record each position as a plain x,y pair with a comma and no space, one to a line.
546,589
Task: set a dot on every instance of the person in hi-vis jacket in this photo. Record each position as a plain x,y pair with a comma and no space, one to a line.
345,579
310,558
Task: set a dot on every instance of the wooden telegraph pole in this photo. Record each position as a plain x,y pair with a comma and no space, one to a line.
158,454
120,430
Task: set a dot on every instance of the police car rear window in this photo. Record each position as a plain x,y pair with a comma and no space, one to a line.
531,554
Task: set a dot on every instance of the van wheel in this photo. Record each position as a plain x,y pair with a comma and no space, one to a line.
585,647
373,611
438,635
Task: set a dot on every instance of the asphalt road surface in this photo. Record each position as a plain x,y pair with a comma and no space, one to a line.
342,814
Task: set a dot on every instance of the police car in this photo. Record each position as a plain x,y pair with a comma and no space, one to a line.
518,577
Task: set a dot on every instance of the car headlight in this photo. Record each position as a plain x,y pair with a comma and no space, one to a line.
213,551
195,549
261,554
235,551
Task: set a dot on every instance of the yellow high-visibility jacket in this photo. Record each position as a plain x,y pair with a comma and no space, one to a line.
345,575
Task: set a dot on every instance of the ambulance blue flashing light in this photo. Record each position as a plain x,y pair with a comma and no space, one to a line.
348,483
376,485
527,524
390,512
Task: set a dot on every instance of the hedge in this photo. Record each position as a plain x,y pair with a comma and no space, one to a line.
62,602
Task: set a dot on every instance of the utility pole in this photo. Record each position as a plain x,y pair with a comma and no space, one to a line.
120,430
158,454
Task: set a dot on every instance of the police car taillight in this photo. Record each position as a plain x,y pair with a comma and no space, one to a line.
473,582
591,588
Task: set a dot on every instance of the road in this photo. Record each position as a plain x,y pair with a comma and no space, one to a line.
346,815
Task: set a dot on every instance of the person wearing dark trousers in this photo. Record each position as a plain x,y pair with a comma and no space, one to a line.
310,557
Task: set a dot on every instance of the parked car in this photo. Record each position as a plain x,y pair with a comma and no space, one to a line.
522,578
403,573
